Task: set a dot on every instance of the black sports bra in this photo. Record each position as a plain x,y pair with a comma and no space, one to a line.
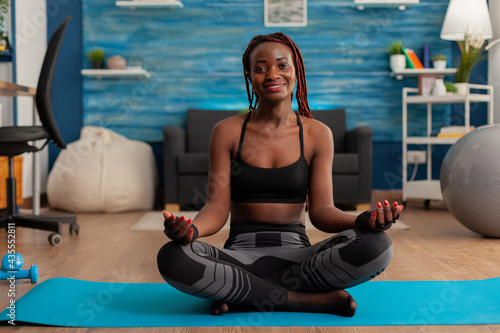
286,184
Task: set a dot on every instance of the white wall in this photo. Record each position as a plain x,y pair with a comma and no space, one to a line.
31,43
494,58
6,104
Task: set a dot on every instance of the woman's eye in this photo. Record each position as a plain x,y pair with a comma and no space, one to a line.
283,65
260,69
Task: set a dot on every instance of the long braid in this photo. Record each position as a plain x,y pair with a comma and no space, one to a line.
279,37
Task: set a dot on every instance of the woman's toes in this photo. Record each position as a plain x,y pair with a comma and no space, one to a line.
353,306
224,308
219,308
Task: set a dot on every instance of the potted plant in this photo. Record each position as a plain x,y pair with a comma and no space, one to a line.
450,87
472,50
397,59
96,57
439,61
4,10
4,41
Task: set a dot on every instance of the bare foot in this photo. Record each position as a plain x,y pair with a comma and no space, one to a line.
219,308
338,302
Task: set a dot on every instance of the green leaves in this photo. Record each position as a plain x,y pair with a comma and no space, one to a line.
395,48
473,53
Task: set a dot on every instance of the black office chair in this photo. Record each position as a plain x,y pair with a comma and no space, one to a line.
16,140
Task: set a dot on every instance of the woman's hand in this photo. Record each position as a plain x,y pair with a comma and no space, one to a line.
179,229
381,218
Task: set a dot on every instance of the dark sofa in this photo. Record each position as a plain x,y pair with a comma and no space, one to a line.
186,158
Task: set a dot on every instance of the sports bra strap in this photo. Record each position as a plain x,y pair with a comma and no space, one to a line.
242,135
301,135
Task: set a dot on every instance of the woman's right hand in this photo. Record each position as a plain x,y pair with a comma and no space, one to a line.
179,229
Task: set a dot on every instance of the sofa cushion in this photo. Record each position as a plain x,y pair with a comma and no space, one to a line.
193,192
346,189
344,163
193,163
336,120
199,124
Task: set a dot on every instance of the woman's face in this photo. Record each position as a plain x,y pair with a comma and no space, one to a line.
272,72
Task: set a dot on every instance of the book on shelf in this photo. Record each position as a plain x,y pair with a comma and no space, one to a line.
453,131
426,57
409,64
412,60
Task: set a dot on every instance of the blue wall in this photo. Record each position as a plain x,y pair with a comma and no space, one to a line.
67,88
194,56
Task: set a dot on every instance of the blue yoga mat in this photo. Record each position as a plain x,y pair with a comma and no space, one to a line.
69,302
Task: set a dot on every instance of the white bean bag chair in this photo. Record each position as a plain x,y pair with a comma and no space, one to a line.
103,172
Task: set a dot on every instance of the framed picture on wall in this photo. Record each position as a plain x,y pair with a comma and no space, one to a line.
285,13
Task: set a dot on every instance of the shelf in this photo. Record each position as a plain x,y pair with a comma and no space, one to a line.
400,4
131,72
429,189
418,140
414,72
167,4
423,189
452,98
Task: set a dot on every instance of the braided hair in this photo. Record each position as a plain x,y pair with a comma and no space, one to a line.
278,37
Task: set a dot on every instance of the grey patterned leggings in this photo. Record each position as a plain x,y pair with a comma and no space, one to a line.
262,262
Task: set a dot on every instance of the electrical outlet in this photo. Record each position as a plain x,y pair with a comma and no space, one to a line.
417,157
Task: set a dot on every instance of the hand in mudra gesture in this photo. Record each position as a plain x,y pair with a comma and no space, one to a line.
380,218
179,229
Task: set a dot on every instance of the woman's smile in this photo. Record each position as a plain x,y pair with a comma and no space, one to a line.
274,87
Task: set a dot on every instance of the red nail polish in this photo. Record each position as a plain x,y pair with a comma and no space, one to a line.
395,204
172,217
190,231
188,222
182,218
379,205
374,214
386,203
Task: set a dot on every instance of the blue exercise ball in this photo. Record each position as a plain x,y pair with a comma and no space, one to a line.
470,180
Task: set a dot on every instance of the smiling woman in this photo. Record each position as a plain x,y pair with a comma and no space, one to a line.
291,61
264,167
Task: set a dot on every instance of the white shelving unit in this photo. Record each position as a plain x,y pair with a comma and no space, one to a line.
167,4
430,189
131,72
413,72
400,4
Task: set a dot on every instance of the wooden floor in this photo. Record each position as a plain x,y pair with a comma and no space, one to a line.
436,248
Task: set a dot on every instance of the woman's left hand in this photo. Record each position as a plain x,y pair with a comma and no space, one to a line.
381,218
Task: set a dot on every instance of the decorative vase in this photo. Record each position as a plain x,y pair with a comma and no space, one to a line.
397,62
462,88
439,64
116,62
439,88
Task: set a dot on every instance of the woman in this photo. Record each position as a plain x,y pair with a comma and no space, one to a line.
264,166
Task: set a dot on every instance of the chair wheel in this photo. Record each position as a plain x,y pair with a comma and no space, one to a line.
55,239
74,228
427,204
